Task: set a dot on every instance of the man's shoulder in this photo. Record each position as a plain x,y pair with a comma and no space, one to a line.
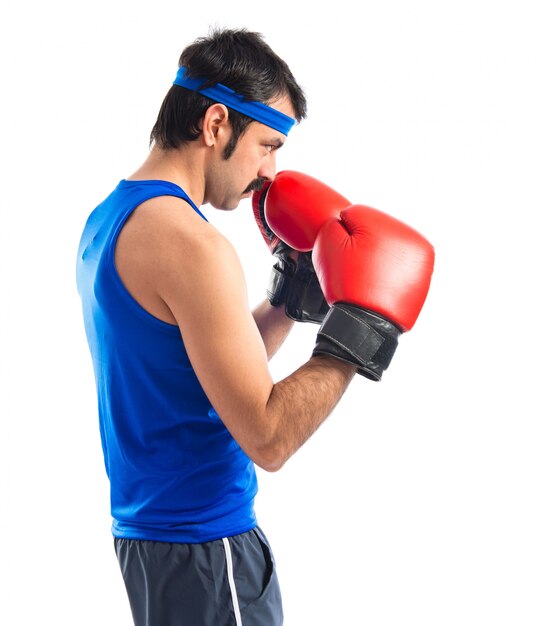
171,220
169,231
167,251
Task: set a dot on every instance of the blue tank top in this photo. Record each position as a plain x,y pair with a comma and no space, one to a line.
176,474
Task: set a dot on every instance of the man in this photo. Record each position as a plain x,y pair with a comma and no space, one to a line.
173,343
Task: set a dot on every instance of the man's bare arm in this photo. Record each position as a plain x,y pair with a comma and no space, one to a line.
187,265
299,404
273,324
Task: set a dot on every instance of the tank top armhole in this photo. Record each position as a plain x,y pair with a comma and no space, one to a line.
155,189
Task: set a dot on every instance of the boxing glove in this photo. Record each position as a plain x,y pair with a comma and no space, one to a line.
375,272
293,281
296,207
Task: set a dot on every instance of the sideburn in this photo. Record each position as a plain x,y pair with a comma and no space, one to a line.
239,123
230,147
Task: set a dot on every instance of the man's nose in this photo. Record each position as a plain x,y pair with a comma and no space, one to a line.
268,170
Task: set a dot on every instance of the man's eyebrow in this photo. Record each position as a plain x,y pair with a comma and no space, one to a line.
278,142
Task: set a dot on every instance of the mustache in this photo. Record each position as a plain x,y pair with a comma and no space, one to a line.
255,185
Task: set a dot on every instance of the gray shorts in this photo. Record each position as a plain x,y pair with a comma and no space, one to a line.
227,582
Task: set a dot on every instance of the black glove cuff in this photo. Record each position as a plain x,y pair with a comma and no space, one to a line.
297,287
359,337
278,285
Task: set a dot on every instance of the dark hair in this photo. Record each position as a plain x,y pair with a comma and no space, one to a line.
242,61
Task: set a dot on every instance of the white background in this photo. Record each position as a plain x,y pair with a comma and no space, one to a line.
416,502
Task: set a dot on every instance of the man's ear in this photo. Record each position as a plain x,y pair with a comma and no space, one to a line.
215,124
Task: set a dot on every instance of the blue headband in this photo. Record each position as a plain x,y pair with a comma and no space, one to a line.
252,108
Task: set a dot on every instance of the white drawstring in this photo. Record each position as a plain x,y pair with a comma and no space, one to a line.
232,584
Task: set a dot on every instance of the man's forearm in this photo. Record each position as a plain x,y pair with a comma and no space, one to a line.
300,403
273,325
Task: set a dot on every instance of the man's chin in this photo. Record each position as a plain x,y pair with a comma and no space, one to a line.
228,206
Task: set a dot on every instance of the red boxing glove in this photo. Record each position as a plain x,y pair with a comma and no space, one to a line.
258,202
293,281
297,206
375,271
289,212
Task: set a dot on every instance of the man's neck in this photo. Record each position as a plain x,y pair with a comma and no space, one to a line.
184,167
